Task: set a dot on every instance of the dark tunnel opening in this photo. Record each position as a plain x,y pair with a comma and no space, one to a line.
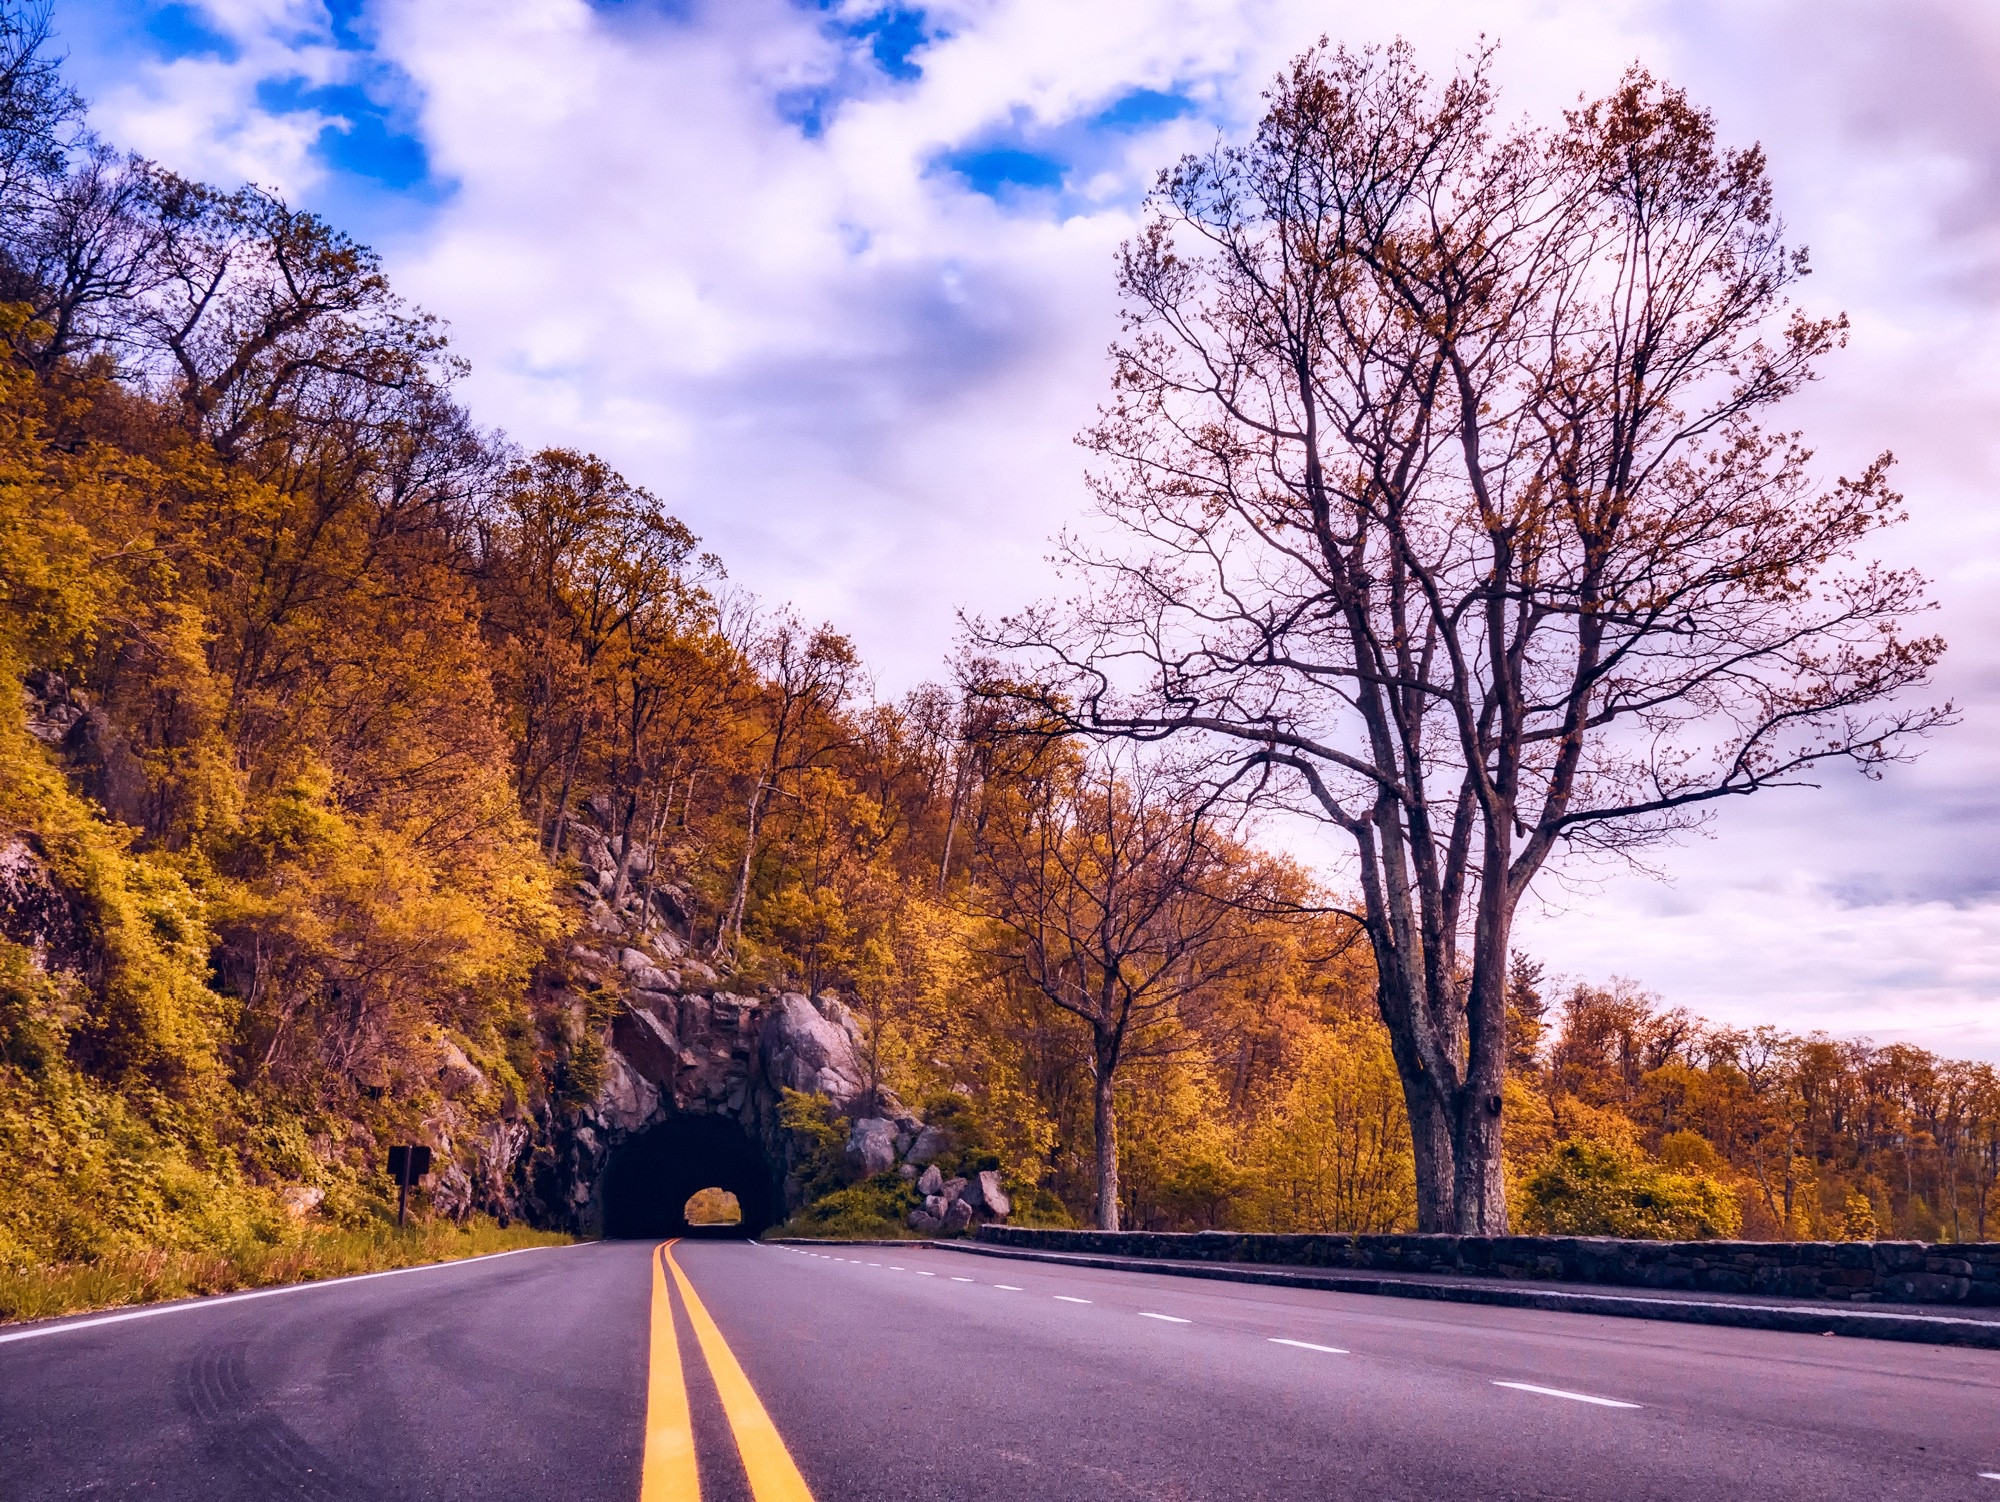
650,1177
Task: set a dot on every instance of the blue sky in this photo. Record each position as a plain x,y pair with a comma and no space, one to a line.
835,278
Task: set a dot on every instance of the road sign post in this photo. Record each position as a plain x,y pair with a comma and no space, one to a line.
407,1164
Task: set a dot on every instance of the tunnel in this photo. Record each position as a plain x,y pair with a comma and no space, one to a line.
651,1175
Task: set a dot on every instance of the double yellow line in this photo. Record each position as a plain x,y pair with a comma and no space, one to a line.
669,1473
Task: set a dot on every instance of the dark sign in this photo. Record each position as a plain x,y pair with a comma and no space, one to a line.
408,1164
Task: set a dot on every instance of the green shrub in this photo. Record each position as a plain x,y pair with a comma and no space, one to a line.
873,1210
1585,1188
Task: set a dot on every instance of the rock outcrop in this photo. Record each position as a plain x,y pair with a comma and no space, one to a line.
680,1042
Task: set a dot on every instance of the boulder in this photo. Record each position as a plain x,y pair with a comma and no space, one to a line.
456,1072
871,1146
957,1215
931,1141
954,1189
300,1200
906,1172
934,1204
653,978
927,1224
803,1050
671,904
932,1181
642,973
985,1193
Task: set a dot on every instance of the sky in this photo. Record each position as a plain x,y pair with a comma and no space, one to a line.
834,280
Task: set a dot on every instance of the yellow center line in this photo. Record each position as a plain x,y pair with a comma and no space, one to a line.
766,1461
668,1473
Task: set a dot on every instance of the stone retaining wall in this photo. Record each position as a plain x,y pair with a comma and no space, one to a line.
1898,1272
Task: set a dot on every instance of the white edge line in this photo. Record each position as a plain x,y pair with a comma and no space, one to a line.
264,1293
1574,1397
1172,1319
1306,1345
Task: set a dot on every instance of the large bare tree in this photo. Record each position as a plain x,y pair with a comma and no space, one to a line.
1455,522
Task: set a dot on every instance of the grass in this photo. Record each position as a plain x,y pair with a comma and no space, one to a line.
147,1277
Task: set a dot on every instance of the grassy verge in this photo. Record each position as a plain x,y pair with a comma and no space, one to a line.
148,1277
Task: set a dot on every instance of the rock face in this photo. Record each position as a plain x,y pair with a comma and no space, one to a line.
682,1051
812,1047
40,914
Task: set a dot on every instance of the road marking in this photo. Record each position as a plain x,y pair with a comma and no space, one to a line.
957,1279
874,1264
668,1472
1574,1397
766,1462
894,1268
1989,1475
922,1274
265,1293
1068,1300
1008,1286
1172,1319
1306,1345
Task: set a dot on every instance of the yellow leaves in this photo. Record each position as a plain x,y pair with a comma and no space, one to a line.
1336,1154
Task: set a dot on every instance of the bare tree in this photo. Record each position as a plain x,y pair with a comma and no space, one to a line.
1118,892
809,675
1455,522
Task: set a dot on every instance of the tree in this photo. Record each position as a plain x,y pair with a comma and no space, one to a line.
1452,519
1117,896
809,676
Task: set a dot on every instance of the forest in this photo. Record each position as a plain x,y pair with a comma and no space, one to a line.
307,675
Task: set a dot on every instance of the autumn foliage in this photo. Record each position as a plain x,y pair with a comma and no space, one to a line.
306,681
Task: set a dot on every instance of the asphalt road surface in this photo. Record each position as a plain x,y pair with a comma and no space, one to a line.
733,1371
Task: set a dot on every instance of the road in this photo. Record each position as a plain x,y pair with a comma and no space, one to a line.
777,1374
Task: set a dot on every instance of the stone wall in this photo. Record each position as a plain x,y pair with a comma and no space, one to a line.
1900,1272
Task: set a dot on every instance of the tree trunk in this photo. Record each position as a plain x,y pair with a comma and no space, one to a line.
1431,1140
732,919
1106,1124
1479,1189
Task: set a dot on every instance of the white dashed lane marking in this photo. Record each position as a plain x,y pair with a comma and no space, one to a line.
956,1279
1557,1392
1008,1286
1306,1345
1172,1319
1068,1300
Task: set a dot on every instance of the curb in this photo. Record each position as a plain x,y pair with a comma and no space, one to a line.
1799,1319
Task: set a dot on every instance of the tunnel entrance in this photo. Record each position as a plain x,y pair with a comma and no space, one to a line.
651,1177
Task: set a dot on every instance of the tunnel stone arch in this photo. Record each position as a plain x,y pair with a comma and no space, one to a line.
650,1176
